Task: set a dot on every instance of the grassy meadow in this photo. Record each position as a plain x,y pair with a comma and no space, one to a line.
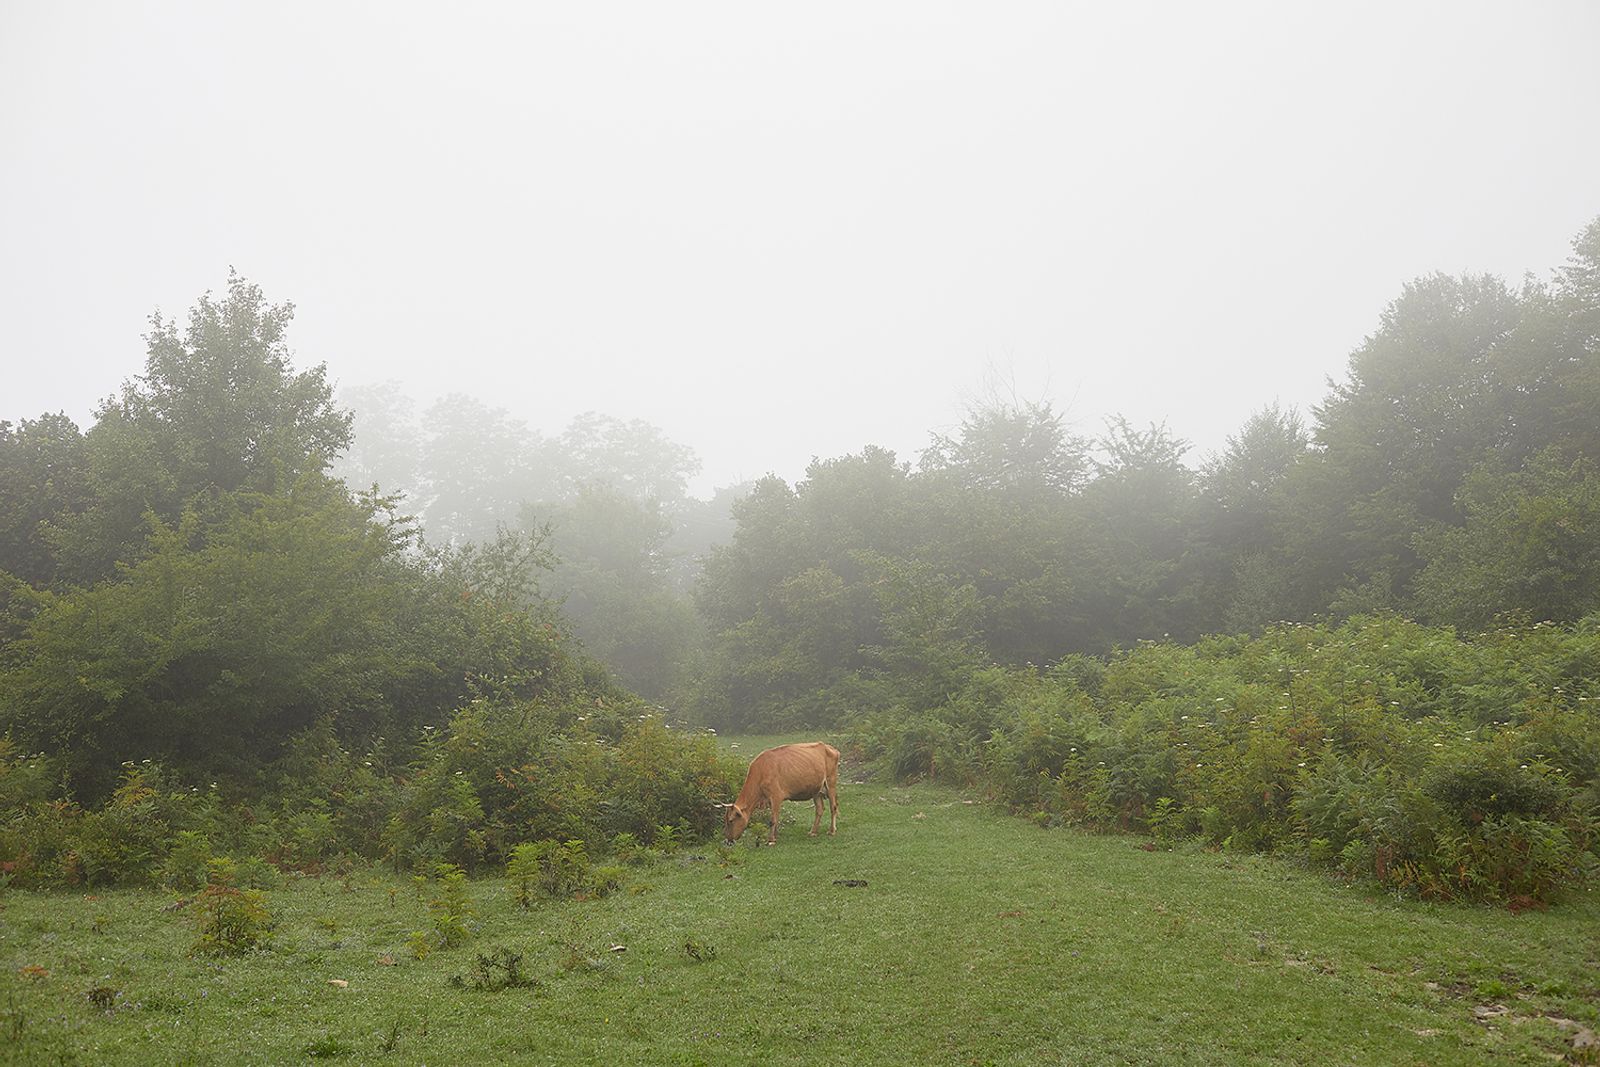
977,939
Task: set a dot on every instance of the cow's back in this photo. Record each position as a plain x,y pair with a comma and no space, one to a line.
799,771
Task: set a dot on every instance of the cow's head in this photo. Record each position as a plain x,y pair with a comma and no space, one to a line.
734,820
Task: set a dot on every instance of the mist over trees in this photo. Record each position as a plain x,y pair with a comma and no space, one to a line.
185,582
229,556
1449,476
608,497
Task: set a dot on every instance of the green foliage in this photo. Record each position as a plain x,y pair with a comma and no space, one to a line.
218,410
494,971
43,475
612,581
276,606
1529,547
606,879
188,861
627,848
25,778
548,869
666,839
1449,474
232,921
1439,766
505,775
524,872
451,911
510,772
420,944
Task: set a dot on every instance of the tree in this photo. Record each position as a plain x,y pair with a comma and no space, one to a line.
240,630
1422,403
1018,447
1136,513
480,466
218,409
632,457
1530,546
611,576
43,476
1241,481
386,441
698,527
1237,534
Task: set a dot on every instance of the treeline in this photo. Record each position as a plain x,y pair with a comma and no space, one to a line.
608,498
1450,476
418,635
201,628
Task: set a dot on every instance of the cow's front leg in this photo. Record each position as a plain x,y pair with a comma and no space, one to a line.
777,806
817,822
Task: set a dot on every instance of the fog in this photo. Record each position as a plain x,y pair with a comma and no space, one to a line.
782,233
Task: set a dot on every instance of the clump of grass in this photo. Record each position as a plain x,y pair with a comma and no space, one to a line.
494,971
391,1040
103,997
327,1046
699,951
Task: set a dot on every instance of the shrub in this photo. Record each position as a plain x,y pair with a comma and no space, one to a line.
627,849
494,971
232,921
1436,765
524,871
25,779
186,865
603,881
1510,858
123,841
451,909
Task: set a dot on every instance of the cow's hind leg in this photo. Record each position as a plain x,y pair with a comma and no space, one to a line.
817,822
833,803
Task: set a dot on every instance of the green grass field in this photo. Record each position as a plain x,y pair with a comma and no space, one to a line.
977,939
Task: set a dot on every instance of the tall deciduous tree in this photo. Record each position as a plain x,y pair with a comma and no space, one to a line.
610,573
1530,546
1237,531
479,467
219,409
385,441
43,475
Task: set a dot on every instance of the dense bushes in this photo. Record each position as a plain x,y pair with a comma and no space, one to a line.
505,772
1448,767
510,772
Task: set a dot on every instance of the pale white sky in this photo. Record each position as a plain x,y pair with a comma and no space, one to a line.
782,231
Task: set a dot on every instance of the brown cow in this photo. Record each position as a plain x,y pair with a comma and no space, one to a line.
788,772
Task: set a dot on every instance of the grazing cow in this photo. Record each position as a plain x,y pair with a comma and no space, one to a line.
788,772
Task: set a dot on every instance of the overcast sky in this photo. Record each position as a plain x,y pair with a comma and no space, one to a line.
779,231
